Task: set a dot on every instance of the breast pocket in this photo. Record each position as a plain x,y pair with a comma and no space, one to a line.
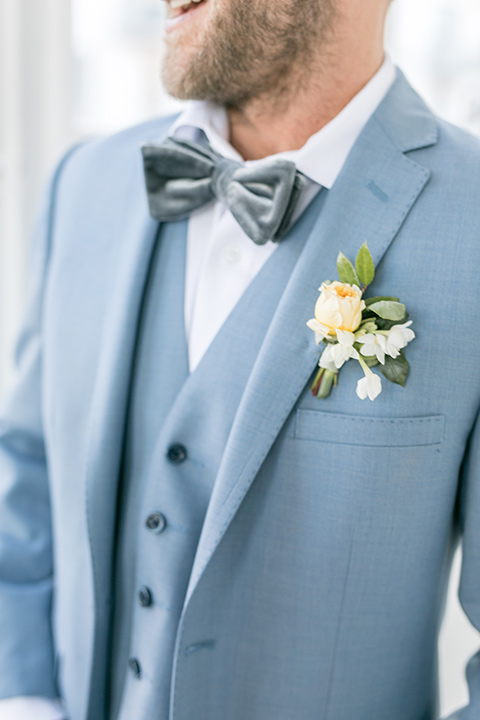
365,431
375,474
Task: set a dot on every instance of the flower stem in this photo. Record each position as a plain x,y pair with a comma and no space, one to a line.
328,379
317,382
364,366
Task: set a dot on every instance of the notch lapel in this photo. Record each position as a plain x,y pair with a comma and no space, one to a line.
369,202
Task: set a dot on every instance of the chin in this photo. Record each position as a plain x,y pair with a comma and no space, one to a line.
175,74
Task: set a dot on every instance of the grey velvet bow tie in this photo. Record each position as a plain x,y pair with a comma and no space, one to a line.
183,176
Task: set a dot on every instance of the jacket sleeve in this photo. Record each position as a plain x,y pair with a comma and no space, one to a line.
469,590
26,568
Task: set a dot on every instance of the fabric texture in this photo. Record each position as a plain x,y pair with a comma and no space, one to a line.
182,176
319,577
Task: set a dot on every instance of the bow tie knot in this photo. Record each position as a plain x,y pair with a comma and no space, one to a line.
222,174
183,176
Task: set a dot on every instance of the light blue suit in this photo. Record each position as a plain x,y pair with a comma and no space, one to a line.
318,582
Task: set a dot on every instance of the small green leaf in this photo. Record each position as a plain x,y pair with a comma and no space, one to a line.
346,271
388,324
396,370
389,310
366,326
370,301
364,265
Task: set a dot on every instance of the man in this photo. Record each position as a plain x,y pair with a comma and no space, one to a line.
186,531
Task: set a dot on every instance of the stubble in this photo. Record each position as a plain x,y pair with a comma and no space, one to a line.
253,48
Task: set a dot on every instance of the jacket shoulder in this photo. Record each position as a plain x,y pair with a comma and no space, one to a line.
459,149
151,130
105,156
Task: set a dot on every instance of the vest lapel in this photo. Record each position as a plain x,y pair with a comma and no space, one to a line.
369,202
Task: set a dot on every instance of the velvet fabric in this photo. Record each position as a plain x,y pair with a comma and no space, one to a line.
182,176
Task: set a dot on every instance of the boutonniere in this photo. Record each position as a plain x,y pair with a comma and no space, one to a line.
374,331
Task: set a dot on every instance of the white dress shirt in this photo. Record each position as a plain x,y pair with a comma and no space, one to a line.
222,260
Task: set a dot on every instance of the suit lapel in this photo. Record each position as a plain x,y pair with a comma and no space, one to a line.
369,202
107,416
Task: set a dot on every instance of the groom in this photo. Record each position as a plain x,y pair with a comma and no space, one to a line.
185,530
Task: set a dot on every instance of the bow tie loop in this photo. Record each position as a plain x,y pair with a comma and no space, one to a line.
182,176
223,176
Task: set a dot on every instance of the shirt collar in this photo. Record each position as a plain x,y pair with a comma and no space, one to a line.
323,155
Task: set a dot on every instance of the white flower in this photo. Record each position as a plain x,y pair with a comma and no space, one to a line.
336,355
369,386
326,361
321,331
398,338
374,345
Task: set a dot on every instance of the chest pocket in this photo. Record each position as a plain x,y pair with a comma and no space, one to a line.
368,431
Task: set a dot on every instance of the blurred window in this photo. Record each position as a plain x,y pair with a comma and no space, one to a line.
117,49
437,45
117,46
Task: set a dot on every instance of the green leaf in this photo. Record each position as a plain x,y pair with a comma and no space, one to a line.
389,310
367,326
396,370
364,265
388,324
346,271
370,301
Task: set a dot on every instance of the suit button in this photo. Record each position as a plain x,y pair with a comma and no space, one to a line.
177,453
145,596
135,668
156,522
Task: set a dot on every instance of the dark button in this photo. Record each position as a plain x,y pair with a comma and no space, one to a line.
135,668
156,522
177,453
145,596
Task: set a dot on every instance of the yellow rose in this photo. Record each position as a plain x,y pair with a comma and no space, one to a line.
339,307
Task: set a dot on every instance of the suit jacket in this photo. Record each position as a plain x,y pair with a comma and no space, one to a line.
319,579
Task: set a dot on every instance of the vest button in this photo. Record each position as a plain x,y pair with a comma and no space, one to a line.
177,453
145,596
156,522
135,668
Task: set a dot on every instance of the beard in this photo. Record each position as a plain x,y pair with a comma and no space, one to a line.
251,49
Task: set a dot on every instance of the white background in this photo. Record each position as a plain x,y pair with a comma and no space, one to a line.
71,68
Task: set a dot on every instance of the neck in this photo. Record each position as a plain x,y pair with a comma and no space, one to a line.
273,124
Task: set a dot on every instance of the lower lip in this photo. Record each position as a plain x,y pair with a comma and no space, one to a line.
174,23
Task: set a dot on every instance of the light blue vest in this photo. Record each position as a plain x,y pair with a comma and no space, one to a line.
170,466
